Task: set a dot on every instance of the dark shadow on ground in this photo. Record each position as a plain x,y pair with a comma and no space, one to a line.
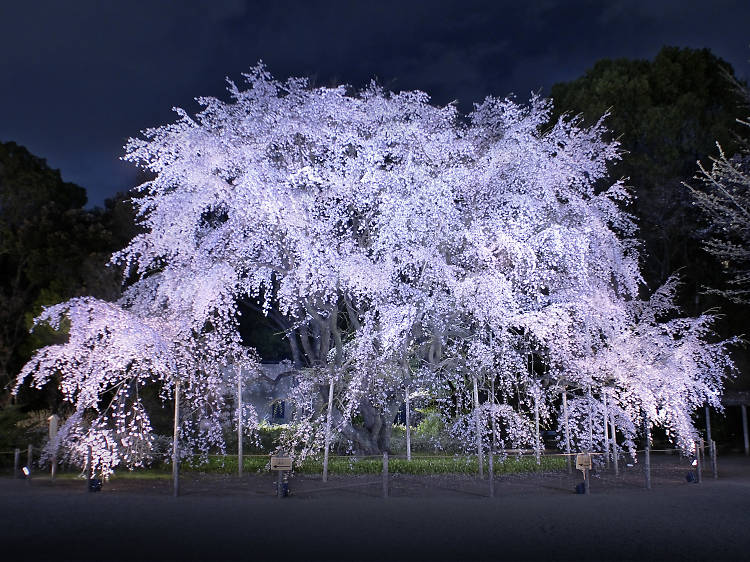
440,518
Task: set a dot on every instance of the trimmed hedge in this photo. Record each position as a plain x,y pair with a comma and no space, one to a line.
420,464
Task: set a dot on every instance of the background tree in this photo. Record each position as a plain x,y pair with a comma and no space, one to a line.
723,194
667,114
51,248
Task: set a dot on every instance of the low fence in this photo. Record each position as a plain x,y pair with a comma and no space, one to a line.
21,462
515,471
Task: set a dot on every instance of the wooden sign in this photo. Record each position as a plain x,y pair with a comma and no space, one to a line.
281,463
583,461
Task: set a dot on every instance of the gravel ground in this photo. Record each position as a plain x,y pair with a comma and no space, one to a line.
531,517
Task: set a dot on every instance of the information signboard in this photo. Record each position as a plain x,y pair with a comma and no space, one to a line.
281,463
583,461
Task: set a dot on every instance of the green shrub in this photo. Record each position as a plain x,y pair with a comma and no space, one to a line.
424,465
432,425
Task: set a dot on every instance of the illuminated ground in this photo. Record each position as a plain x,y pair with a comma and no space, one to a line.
533,517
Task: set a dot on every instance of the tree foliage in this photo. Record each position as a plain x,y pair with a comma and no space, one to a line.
723,194
404,248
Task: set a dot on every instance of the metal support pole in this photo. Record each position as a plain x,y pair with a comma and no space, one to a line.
280,484
16,462
385,474
744,430
30,457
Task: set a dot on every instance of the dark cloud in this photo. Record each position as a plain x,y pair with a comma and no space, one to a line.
79,78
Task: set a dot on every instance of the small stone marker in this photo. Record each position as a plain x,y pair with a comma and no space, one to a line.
281,463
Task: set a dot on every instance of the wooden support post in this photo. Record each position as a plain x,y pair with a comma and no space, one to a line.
16,462
586,481
54,420
615,452
385,474
647,460
714,460
605,427
567,432
280,484
408,426
239,423
709,439
744,430
89,468
492,472
590,448
537,447
480,453
328,431
699,464
175,442
493,441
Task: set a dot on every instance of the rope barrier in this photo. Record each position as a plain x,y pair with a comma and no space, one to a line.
507,452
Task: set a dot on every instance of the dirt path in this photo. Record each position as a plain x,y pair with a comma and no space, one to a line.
533,517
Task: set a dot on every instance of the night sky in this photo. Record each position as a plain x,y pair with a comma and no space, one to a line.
78,78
